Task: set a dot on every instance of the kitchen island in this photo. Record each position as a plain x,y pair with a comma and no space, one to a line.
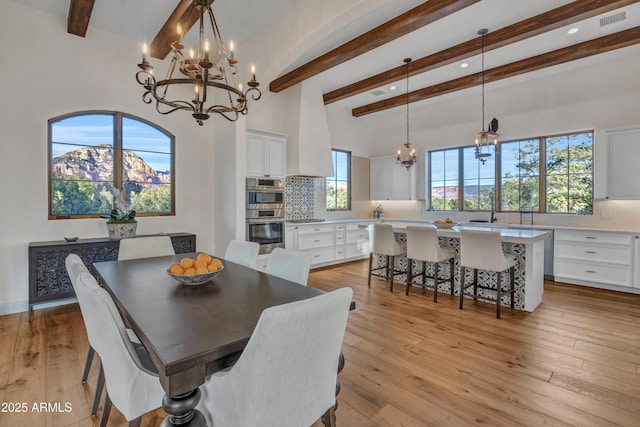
526,244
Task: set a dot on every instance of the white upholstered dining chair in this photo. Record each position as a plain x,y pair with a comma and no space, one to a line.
289,265
242,252
286,375
145,247
75,267
131,379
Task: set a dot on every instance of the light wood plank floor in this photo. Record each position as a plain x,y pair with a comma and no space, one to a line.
409,362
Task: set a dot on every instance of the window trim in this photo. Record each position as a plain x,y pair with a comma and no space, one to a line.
349,186
117,154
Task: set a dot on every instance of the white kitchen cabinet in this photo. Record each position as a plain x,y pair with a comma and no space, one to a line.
594,258
318,241
391,181
266,154
329,243
357,242
623,152
261,262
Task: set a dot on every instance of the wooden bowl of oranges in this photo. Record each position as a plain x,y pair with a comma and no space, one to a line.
195,271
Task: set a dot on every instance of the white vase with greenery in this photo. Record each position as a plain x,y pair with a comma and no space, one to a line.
122,222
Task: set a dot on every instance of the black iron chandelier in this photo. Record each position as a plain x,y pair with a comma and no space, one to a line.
209,67
488,137
407,155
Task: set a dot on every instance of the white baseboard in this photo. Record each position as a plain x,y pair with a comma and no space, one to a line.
13,307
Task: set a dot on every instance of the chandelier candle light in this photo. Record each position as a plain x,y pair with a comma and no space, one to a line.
483,141
212,66
407,155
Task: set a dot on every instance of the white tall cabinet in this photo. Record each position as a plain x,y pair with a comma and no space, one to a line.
391,181
623,173
266,154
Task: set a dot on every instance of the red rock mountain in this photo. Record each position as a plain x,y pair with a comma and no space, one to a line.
95,163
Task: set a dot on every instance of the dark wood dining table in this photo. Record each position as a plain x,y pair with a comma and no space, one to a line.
192,331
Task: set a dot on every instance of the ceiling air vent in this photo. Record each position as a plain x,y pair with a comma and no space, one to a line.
612,19
378,92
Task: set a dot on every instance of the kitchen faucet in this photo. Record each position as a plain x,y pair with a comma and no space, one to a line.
493,216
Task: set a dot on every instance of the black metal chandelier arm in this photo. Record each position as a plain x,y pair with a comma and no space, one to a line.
254,96
226,112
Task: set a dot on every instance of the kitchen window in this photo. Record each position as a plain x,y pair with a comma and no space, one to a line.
91,153
339,185
562,165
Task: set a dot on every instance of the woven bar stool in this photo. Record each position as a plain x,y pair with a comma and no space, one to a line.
382,241
423,245
482,250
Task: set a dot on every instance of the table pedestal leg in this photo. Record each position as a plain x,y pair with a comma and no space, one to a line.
181,410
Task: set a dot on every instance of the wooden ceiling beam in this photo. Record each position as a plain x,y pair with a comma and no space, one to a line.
565,15
79,16
571,53
399,26
161,44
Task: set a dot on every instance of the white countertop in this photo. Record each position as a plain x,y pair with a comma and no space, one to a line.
511,235
481,225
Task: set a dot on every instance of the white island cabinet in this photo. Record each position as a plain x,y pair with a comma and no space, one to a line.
526,245
597,258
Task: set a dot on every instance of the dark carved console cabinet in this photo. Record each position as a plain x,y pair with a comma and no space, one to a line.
48,278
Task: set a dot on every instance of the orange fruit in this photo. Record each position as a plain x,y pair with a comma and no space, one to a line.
176,268
212,267
187,263
201,270
206,258
190,271
216,262
200,264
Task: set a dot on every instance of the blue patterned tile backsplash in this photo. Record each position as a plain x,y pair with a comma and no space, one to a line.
298,198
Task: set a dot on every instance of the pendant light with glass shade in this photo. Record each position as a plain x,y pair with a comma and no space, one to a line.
488,137
407,155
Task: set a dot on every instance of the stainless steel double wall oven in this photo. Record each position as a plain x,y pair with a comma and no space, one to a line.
265,213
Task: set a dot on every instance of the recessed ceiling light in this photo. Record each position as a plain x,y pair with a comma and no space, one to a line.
572,31
464,65
392,88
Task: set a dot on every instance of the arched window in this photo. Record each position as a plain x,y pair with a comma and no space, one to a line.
91,153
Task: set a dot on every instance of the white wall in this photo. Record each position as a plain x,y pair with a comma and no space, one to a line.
47,72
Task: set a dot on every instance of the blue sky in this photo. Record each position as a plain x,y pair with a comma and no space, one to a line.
95,129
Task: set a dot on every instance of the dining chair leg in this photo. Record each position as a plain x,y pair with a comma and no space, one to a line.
98,392
106,410
329,417
409,274
462,274
499,298
135,423
435,282
451,276
370,265
513,287
424,273
87,364
393,271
